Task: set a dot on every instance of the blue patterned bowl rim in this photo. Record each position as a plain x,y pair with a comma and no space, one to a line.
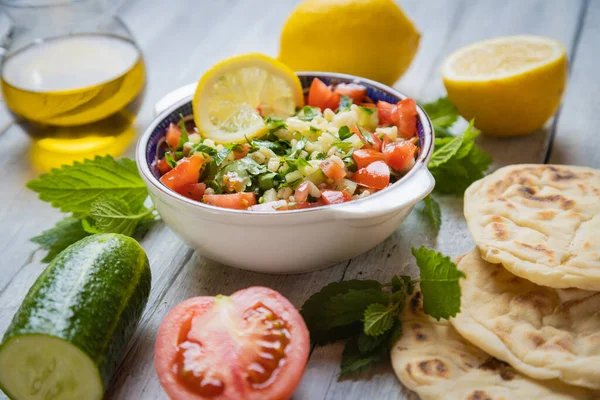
148,141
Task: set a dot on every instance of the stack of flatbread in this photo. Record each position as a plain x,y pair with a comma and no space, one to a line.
529,326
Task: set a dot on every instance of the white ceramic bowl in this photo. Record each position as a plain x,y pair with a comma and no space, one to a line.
286,241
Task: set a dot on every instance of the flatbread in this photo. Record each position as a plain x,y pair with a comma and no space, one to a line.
542,332
432,359
540,221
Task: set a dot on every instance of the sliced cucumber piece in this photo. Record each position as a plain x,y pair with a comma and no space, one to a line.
40,367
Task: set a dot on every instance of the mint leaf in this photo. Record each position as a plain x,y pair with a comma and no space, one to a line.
314,314
457,162
403,284
66,232
439,283
74,188
367,344
274,124
349,307
442,113
115,215
209,151
432,212
394,334
354,362
378,319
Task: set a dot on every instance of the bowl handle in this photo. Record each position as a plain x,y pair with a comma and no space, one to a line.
173,97
399,196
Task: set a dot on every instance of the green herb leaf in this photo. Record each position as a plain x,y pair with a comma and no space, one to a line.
184,138
345,103
221,156
276,147
308,113
439,283
114,215
74,188
378,319
402,283
170,160
314,314
394,334
367,135
354,362
209,151
274,124
299,147
66,232
344,132
457,162
432,212
367,344
442,113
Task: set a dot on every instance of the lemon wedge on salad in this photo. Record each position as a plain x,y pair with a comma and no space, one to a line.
510,85
232,98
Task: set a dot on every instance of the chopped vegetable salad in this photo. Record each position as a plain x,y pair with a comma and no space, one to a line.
338,148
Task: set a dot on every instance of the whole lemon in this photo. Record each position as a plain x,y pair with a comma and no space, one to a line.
369,38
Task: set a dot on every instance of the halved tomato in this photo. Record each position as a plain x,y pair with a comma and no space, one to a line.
332,170
194,191
320,95
370,140
163,166
173,135
364,157
399,155
375,175
186,172
237,201
334,197
353,90
251,345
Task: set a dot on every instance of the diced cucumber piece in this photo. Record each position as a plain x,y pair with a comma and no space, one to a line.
367,117
293,176
317,177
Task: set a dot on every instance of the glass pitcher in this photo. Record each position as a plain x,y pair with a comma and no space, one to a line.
72,76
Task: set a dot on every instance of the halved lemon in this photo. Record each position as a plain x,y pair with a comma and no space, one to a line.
510,85
233,97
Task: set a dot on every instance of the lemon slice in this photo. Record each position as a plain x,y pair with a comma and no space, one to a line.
510,85
232,98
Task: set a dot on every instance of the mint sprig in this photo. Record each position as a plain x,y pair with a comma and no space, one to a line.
367,313
103,195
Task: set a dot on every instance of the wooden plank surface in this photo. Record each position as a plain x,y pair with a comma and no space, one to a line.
180,40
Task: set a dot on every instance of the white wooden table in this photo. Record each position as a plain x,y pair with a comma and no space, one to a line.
182,38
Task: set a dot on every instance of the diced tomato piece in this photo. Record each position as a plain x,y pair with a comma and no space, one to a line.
364,157
334,197
320,95
375,175
332,170
399,155
370,140
163,166
386,113
186,172
301,193
355,91
245,148
368,105
173,135
194,191
406,118
317,203
237,201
